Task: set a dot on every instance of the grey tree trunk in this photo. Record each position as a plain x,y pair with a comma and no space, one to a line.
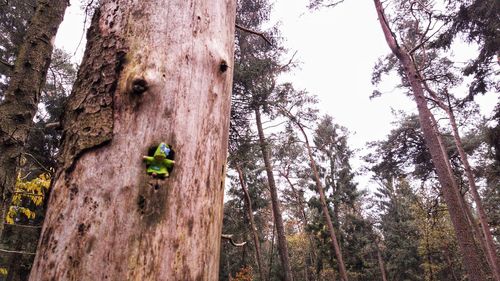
21,98
153,71
471,256
278,219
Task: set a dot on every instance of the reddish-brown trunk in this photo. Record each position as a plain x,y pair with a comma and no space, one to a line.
381,264
326,212
472,257
487,237
278,219
151,73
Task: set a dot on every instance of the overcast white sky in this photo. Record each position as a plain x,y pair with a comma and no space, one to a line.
337,49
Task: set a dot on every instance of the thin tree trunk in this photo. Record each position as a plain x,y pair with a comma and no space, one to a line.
487,238
258,256
451,266
324,206
271,254
381,264
21,98
312,251
278,219
303,214
464,205
152,72
489,245
472,257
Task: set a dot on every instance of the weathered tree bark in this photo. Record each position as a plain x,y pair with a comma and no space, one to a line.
324,206
21,98
153,71
471,256
278,219
256,241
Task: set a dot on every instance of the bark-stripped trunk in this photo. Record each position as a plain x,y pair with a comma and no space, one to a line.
278,219
471,256
153,71
256,241
324,207
21,98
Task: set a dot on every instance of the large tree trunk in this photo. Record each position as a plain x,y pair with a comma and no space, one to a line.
278,219
256,240
21,98
324,207
153,71
471,256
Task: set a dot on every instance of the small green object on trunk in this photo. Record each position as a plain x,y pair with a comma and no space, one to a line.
161,163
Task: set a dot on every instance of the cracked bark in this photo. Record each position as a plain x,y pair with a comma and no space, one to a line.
128,225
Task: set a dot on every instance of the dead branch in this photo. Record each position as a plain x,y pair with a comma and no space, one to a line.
7,64
230,238
254,32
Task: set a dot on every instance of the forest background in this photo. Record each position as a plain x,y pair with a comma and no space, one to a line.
381,189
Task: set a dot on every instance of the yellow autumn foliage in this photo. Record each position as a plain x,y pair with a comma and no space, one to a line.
3,271
34,190
245,274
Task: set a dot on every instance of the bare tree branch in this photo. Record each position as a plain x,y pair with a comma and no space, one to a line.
254,32
7,64
17,252
230,238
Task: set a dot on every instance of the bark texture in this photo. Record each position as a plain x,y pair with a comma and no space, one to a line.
471,255
151,73
278,218
23,93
